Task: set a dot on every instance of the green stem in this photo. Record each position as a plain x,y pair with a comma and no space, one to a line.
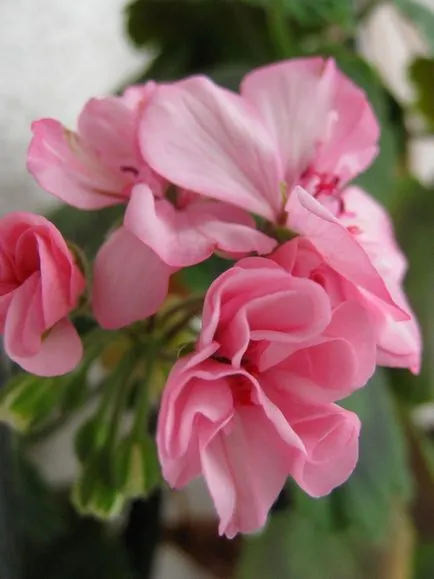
190,303
139,429
277,25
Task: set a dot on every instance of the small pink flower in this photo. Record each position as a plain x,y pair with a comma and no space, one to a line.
40,285
254,405
98,165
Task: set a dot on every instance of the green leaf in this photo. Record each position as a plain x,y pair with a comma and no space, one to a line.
199,277
41,516
422,75
137,468
92,493
294,545
28,400
314,13
414,227
421,16
382,476
198,35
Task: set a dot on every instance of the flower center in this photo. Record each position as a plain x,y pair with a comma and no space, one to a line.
241,390
325,188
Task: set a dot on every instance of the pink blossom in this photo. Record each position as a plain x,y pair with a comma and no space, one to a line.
40,285
284,148
97,165
254,404
298,122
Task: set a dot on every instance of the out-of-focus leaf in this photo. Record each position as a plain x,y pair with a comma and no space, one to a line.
422,75
27,400
199,277
414,228
198,35
87,229
382,476
421,16
137,467
41,516
311,13
293,545
93,494
86,550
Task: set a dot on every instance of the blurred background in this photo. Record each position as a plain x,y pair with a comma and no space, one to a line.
54,55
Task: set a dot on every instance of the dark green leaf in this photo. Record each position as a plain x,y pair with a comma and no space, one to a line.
382,476
422,75
314,13
137,467
415,234
294,545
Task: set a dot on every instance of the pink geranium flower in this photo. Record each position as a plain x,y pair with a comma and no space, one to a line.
254,405
285,149
164,228
97,165
40,285
298,122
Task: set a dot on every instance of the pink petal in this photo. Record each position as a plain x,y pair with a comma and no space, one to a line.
108,126
25,319
60,352
244,471
373,229
332,442
309,218
330,437
130,281
399,342
68,168
293,98
171,233
207,140
316,115
351,322
183,237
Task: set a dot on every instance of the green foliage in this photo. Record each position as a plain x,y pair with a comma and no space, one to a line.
311,13
382,476
422,75
414,225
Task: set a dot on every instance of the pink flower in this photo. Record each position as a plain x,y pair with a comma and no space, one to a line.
254,405
40,285
102,165
298,122
284,148
98,165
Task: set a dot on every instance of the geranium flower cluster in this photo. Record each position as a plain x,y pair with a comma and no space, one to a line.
313,303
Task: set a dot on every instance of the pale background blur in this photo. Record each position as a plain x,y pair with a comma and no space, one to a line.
55,54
